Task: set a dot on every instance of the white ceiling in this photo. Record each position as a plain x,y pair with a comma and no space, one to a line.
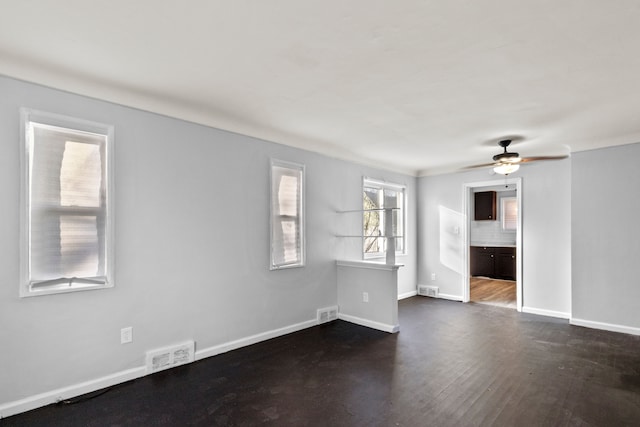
415,86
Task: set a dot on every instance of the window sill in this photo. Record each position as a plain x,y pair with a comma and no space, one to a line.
28,293
376,265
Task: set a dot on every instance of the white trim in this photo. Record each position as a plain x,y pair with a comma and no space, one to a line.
395,187
503,209
43,399
407,295
543,312
368,264
253,339
383,183
467,190
450,297
605,326
73,124
301,169
369,323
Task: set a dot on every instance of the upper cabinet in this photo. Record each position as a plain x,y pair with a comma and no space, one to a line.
485,205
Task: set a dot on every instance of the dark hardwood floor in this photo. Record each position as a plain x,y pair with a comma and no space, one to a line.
452,364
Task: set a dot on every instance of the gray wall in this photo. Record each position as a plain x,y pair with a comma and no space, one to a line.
546,232
606,236
192,246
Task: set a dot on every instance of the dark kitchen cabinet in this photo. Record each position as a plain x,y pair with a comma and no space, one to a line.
494,262
482,261
485,206
505,263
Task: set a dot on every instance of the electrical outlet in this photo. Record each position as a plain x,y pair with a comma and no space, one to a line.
433,276
126,335
365,297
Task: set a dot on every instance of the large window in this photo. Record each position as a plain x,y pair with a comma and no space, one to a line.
378,196
66,222
287,215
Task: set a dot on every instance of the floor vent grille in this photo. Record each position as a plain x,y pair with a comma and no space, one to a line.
428,291
169,357
327,314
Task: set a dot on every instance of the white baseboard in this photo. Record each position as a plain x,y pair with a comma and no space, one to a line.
543,312
605,326
47,398
407,295
450,297
253,339
369,323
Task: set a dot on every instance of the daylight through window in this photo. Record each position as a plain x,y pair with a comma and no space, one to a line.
67,224
287,220
509,213
376,197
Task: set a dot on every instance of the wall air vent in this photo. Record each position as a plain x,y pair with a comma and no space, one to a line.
428,291
327,314
169,357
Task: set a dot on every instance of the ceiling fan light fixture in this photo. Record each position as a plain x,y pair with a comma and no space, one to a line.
508,162
507,158
506,168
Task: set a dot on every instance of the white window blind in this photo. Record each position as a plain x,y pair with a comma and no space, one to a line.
67,222
287,219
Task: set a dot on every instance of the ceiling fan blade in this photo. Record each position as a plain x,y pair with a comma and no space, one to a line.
508,162
539,158
484,165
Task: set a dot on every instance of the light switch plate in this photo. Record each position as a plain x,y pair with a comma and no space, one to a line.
126,335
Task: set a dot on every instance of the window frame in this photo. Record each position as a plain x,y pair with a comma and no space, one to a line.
511,223
385,185
28,117
300,170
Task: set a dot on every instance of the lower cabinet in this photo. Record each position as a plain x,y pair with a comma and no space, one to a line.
495,262
506,263
482,261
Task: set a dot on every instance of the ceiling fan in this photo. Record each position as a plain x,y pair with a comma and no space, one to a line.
509,162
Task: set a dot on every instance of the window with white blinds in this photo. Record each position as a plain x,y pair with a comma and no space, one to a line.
509,213
287,215
67,224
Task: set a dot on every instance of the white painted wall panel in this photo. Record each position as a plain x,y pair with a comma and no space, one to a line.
606,236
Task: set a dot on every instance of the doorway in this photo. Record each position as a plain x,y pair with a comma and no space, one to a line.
480,237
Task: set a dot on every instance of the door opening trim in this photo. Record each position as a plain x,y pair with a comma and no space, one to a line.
467,192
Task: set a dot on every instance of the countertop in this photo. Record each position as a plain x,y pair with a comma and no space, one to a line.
494,244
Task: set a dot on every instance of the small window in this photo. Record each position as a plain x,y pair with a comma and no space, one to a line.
287,215
509,213
67,226
377,196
